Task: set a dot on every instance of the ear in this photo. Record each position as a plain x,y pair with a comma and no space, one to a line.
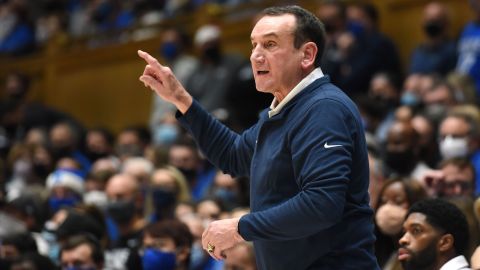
182,254
310,51
446,243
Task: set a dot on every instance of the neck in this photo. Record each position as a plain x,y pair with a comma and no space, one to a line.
279,96
443,259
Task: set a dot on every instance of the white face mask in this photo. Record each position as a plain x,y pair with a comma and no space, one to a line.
389,218
451,147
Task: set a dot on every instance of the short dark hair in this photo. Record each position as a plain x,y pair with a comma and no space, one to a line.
446,217
89,239
309,27
174,229
171,228
105,133
23,242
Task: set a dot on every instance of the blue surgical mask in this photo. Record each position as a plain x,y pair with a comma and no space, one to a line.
356,28
225,195
169,50
409,99
165,134
53,246
57,203
79,268
153,259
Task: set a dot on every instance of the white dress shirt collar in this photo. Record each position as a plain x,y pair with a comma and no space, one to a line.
276,107
457,263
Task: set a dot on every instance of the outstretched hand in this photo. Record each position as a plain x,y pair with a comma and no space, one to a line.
162,80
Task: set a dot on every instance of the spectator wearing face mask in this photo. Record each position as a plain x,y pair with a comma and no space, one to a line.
132,142
66,189
393,202
98,144
174,47
166,245
125,218
437,54
198,172
64,140
384,95
210,81
168,187
228,191
401,155
459,138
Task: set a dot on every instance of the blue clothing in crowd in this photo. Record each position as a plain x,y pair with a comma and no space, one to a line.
440,58
469,52
19,40
308,168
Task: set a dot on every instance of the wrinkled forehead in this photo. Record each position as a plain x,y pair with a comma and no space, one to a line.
274,25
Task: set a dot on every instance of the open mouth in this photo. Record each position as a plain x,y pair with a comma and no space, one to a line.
262,72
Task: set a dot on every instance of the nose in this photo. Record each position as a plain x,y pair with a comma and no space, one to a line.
458,189
403,241
257,56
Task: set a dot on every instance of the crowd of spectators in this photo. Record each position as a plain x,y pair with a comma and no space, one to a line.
26,26
85,198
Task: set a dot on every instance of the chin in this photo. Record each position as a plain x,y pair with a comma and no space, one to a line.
263,89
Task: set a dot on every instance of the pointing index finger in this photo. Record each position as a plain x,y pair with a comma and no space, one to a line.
149,59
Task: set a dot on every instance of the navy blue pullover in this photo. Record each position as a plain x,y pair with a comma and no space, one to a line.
308,169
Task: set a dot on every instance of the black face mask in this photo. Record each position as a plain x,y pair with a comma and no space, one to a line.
130,150
60,152
382,105
329,28
94,156
190,174
433,28
402,162
122,211
163,199
41,170
212,53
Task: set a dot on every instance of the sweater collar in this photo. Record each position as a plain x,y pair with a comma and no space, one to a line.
276,107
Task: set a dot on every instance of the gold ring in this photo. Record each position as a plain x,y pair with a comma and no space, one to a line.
210,248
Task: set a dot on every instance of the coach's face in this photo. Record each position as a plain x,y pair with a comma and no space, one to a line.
277,65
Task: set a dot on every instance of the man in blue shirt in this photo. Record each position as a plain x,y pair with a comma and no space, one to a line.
306,156
438,53
469,47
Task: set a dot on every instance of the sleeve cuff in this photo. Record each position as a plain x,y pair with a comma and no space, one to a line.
244,227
